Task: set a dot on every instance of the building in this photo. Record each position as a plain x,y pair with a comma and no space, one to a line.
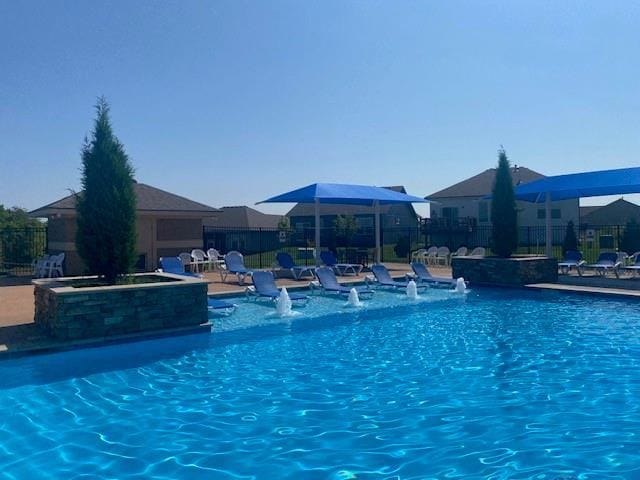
618,212
166,224
241,228
466,202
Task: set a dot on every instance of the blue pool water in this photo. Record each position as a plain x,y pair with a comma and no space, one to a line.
493,384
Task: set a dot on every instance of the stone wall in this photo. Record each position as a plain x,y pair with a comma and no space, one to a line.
505,271
68,313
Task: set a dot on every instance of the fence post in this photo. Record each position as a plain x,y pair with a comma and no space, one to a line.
260,246
528,240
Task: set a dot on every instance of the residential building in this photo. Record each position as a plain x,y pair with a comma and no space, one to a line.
166,224
618,212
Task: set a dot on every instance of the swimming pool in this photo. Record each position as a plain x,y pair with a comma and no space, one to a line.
493,384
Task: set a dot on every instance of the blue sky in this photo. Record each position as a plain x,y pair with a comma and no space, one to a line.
231,102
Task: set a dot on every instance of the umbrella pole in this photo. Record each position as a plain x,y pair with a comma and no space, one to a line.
547,221
376,206
317,246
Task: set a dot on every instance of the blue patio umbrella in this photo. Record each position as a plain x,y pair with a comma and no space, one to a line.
578,185
338,193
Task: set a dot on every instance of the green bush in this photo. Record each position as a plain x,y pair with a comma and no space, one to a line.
570,241
106,235
402,247
504,216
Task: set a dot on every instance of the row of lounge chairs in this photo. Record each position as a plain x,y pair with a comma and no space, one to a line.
607,262
442,255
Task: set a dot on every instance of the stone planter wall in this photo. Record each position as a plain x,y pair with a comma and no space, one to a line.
505,271
68,313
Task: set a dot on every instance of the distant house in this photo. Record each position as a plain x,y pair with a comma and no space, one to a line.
241,228
466,203
615,213
166,224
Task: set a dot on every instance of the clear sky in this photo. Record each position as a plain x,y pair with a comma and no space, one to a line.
231,102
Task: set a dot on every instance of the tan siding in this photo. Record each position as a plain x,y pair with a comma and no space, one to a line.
179,229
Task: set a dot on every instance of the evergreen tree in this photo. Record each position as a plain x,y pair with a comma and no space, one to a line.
106,234
570,242
504,216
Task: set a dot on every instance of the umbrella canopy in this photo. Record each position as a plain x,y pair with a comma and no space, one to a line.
338,193
577,185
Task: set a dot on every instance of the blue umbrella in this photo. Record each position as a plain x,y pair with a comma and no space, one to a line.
338,193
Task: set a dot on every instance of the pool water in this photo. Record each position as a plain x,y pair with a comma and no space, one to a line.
493,384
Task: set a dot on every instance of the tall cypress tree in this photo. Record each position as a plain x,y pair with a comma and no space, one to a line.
106,220
504,215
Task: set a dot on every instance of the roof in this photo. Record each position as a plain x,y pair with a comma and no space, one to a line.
615,213
308,209
242,217
481,184
344,194
586,210
577,185
148,199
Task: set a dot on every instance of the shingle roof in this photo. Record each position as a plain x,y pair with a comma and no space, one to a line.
242,217
481,184
308,209
615,213
148,199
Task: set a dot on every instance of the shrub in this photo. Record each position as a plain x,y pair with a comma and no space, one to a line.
504,216
570,241
106,235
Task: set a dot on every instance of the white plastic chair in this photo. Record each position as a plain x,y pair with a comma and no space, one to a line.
185,258
419,255
461,252
442,256
53,266
199,259
40,268
215,259
478,252
432,252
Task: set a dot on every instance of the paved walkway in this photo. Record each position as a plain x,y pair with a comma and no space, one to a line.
18,331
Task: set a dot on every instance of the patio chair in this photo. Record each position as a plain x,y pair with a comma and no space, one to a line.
419,255
383,278
634,268
442,256
478,252
264,285
297,271
199,259
53,266
432,252
606,262
330,260
39,266
215,259
220,306
572,259
234,262
423,275
185,258
329,283
174,265
460,252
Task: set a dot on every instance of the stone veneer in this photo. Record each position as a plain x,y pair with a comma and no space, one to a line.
68,313
515,271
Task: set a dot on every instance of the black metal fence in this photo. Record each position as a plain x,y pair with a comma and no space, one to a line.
19,247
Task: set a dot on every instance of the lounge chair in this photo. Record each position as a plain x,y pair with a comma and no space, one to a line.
234,262
329,283
634,268
330,260
423,275
606,262
383,277
297,271
572,259
174,265
220,306
264,285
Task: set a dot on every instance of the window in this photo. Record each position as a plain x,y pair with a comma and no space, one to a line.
541,214
483,212
450,213
556,213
